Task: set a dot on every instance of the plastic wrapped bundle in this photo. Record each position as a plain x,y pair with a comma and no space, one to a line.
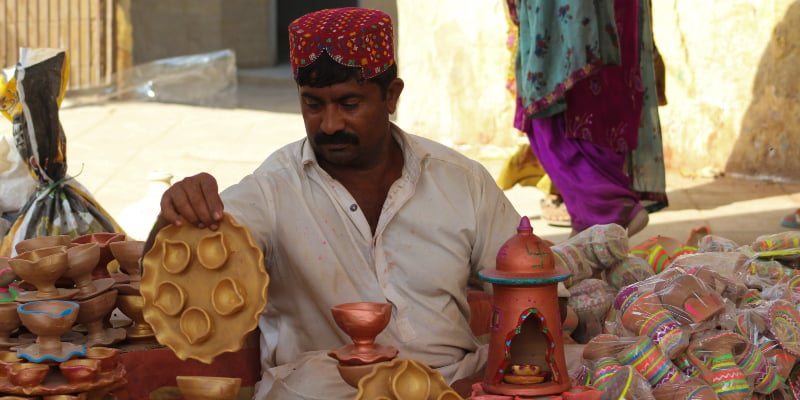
60,206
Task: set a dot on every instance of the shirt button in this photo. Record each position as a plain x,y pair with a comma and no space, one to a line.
353,207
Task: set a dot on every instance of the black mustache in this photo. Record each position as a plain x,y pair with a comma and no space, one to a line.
339,137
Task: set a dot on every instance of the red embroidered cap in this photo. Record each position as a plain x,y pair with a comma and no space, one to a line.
352,36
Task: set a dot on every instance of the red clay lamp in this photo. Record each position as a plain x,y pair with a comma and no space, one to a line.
526,349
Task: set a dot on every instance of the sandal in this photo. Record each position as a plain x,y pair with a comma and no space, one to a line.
792,220
554,211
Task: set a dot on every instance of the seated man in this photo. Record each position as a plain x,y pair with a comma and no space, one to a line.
358,211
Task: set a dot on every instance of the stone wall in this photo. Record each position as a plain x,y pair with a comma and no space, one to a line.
731,81
163,29
454,61
731,84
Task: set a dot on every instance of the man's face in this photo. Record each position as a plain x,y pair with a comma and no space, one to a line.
348,123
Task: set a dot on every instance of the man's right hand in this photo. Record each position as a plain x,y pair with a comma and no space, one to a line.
194,200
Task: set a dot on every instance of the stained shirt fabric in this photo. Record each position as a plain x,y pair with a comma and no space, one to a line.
443,220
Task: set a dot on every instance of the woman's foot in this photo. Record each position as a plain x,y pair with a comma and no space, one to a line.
554,211
639,222
792,220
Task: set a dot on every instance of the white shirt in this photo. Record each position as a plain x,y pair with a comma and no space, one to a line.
442,222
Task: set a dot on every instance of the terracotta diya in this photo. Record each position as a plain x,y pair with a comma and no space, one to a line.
42,267
131,306
208,387
48,320
41,242
103,239
92,315
82,259
362,322
128,253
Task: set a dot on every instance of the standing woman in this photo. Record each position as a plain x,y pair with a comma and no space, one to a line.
586,98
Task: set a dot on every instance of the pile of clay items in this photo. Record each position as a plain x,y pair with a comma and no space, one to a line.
712,321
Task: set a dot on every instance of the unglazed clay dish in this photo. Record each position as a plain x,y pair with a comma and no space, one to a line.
403,379
203,290
103,240
91,315
41,268
208,387
41,242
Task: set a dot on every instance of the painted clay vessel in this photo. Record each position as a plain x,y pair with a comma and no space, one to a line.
526,348
48,320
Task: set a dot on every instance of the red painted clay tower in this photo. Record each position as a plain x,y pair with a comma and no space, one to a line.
526,348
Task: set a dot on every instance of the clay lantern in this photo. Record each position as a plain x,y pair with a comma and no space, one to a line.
526,348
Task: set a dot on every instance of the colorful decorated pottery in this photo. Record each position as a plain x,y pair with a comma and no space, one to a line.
526,321
203,290
48,320
648,359
208,387
712,354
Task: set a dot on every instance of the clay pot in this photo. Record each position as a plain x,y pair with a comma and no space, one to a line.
103,239
92,315
647,358
7,275
41,242
720,371
108,357
689,299
208,387
9,321
7,358
41,268
82,258
128,253
689,389
642,313
48,320
132,306
362,322
80,370
27,374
